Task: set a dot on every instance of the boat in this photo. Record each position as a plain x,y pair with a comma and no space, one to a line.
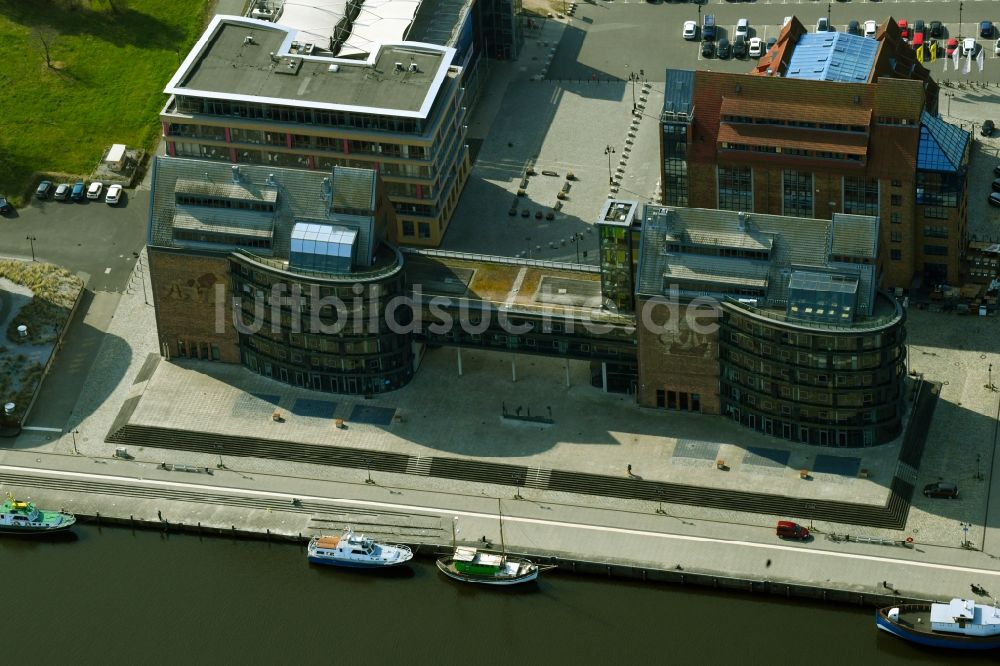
960,624
18,517
356,551
471,565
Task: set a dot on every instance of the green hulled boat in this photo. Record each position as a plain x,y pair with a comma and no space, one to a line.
17,517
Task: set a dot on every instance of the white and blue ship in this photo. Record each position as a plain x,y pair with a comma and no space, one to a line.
960,624
356,551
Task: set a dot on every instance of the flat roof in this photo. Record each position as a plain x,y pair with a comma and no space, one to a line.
256,61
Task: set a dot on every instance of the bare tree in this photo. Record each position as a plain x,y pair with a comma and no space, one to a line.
46,38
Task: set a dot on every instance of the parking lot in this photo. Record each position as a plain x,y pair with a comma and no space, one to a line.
614,38
89,238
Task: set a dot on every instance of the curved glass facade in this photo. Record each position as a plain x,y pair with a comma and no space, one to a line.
826,385
324,331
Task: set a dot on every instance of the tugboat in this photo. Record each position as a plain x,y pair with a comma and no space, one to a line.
17,517
469,565
356,552
960,624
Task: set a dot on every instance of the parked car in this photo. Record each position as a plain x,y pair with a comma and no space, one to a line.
987,128
786,529
918,40
756,47
708,28
996,170
996,48
871,27
936,29
822,25
79,189
986,29
62,192
708,49
95,189
943,489
114,195
4,205
725,49
690,30
951,46
994,199
854,28
904,29
740,47
996,185
968,46
742,28
918,27
43,189
771,42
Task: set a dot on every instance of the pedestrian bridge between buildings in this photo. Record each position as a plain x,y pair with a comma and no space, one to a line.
522,306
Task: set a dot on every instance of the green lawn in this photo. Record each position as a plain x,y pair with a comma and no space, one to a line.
107,88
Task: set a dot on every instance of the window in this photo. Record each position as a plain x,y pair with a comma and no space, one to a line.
936,232
425,229
896,255
936,212
797,193
896,218
408,228
897,183
735,190
896,199
896,236
936,250
860,195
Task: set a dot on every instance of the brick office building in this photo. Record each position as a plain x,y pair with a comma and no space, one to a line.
826,123
794,340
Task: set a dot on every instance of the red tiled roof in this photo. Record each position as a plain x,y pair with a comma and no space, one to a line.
788,137
800,111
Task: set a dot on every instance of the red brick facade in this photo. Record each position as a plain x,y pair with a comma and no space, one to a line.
186,294
678,368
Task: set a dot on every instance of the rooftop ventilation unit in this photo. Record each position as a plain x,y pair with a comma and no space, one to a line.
398,67
414,67
248,40
236,173
333,68
271,180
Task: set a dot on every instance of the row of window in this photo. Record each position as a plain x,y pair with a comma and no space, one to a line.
801,124
815,341
183,199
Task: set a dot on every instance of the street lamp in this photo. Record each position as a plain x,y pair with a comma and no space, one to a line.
31,240
75,432
575,239
829,25
517,486
961,5
965,532
368,464
609,151
949,96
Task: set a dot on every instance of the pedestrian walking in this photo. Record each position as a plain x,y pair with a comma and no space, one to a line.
159,515
629,469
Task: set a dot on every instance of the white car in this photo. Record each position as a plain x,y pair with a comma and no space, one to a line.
968,45
822,25
756,47
690,30
742,28
114,195
871,27
95,189
996,48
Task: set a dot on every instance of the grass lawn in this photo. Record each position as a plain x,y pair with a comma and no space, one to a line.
107,85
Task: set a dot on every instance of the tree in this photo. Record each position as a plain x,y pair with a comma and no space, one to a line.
45,38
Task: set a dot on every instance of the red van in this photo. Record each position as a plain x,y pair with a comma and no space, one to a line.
786,529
